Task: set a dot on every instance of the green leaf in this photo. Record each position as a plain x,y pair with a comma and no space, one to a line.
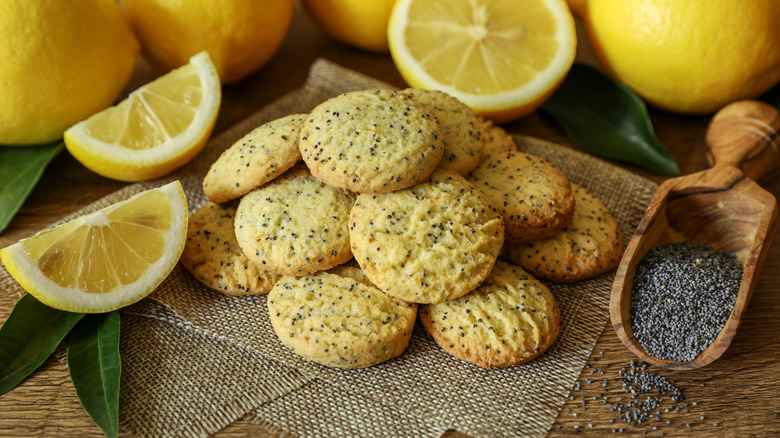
20,169
772,96
95,368
29,336
606,118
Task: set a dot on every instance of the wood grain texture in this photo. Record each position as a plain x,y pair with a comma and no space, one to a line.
740,389
720,207
745,134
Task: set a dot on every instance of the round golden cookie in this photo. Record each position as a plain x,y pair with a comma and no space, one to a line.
339,321
352,270
258,157
432,242
510,319
589,246
371,141
496,139
533,196
296,224
460,129
211,254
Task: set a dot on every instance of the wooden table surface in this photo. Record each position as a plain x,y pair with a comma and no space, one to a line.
740,391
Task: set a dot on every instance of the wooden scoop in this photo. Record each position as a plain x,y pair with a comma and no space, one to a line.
721,207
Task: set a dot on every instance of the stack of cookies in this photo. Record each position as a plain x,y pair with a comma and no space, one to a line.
379,202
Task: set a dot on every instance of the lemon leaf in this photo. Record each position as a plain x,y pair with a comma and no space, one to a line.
28,337
605,118
95,368
20,169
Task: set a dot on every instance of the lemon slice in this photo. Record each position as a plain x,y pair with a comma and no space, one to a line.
156,129
105,260
501,57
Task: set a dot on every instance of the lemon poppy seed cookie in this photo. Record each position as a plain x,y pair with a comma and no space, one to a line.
371,141
212,255
339,321
510,319
258,157
460,129
352,270
296,224
589,246
533,196
429,243
496,139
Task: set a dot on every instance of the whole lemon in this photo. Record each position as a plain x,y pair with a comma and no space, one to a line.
688,56
60,62
239,35
358,23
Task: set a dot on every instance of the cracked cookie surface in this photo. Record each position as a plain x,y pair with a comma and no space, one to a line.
533,196
258,157
589,246
335,319
212,255
461,129
296,224
510,319
429,243
496,139
371,141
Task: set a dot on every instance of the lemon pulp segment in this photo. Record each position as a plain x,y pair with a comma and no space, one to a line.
105,250
151,115
107,259
498,57
502,44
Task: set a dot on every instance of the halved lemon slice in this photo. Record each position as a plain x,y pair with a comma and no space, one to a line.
501,57
156,129
104,260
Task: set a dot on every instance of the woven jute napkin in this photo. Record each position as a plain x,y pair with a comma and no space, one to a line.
195,360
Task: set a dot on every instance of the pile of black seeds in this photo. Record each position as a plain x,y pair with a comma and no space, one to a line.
646,397
637,381
682,296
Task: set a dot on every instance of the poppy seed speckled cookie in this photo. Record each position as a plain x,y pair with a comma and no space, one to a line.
589,246
338,320
496,139
371,141
510,319
296,224
258,157
432,242
460,129
533,196
211,254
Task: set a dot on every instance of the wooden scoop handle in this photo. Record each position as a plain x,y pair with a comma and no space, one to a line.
744,134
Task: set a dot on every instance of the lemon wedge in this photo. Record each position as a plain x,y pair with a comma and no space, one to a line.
107,259
156,129
501,57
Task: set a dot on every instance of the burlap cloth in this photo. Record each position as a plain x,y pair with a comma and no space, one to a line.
194,361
